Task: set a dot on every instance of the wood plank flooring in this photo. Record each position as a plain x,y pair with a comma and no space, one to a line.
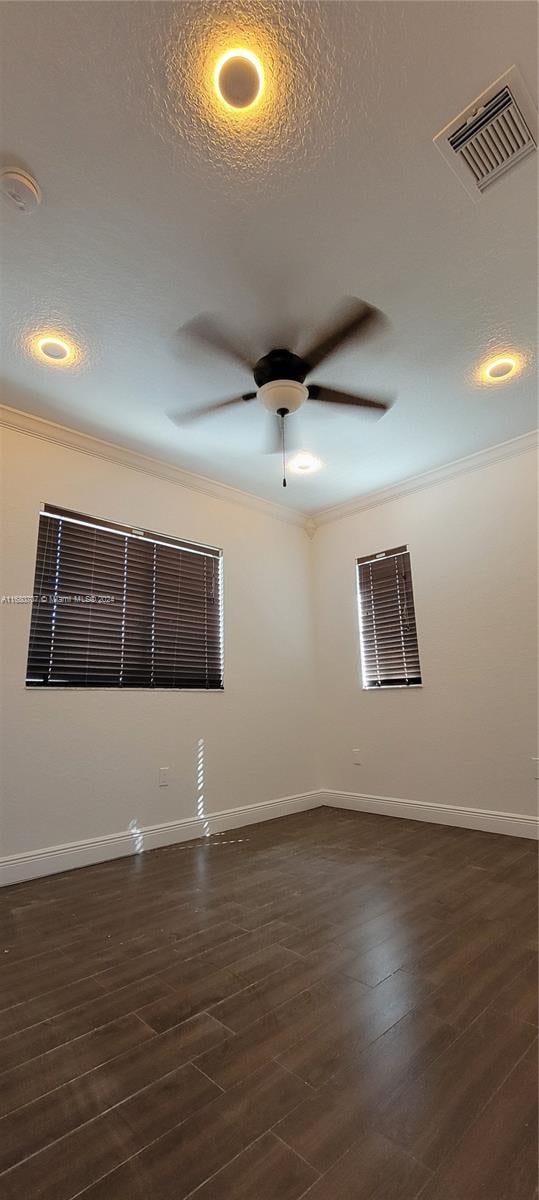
333,1005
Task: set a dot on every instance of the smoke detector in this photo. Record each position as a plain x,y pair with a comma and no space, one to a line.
494,133
19,189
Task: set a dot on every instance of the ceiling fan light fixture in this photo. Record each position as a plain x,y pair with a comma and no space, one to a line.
283,395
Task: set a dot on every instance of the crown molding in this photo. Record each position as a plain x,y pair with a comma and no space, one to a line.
417,483
83,443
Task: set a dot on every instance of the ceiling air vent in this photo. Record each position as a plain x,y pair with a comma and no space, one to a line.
491,135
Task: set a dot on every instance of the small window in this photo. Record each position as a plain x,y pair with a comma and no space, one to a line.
387,628
116,607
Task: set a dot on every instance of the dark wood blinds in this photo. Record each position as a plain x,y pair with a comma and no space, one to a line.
118,607
389,649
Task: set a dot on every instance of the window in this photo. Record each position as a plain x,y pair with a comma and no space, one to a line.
119,607
387,628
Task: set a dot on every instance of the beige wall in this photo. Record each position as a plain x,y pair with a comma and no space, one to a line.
467,736
81,764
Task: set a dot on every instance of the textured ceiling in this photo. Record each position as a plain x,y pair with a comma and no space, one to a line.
155,210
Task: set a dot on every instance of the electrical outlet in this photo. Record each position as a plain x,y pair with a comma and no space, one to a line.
163,776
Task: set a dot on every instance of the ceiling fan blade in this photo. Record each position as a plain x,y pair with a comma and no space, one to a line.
209,332
355,317
332,396
191,414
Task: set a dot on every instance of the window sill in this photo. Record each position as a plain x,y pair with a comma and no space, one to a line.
116,690
394,687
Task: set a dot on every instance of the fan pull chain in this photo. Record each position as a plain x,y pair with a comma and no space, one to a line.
282,416
284,454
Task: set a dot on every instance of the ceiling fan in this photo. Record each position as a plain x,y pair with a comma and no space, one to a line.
280,374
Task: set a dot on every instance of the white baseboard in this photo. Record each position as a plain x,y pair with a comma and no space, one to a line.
17,868
491,821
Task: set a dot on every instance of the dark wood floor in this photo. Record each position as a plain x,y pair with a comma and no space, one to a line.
335,1005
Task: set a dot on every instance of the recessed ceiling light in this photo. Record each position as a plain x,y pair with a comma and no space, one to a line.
53,348
304,463
239,79
501,368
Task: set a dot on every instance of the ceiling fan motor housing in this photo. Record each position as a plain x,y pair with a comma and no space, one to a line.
279,376
280,364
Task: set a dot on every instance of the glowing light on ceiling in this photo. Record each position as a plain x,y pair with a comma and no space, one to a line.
53,348
239,86
501,368
238,79
304,463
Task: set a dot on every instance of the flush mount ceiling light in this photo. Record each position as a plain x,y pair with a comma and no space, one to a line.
501,368
305,463
239,79
53,348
